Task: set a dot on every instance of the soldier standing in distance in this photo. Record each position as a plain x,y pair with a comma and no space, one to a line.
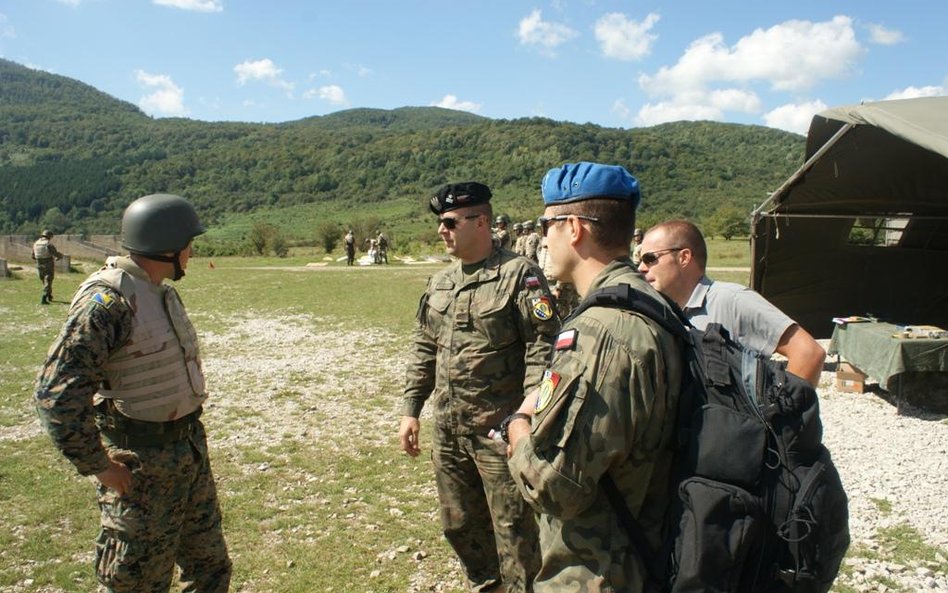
43,253
606,406
349,242
484,330
531,241
121,394
501,233
518,241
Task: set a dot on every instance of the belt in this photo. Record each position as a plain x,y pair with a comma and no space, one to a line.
125,432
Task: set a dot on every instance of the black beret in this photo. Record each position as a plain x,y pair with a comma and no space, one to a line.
459,195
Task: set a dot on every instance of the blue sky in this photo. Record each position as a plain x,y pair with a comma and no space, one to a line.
614,63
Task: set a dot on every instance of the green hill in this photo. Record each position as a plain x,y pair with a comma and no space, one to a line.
72,157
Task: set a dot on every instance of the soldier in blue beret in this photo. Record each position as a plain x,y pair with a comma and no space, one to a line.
605,406
484,331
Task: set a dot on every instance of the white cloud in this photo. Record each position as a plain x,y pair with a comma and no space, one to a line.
196,5
698,104
791,56
6,29
883,36
451,102
913,92
262,70
622,110
167,98
624,39
533,30
330,93
70,2
794,117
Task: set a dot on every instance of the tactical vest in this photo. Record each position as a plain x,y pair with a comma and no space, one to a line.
41,249
156,376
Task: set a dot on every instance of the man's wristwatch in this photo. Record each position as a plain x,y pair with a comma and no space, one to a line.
505,424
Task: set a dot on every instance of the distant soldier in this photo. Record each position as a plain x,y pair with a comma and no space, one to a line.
531,241
381,245
637,247
518,242
349,242
121,394
500,232
43,253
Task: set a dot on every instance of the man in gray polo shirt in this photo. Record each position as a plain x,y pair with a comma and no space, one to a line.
674,258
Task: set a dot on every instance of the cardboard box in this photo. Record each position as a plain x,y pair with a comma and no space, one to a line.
850,379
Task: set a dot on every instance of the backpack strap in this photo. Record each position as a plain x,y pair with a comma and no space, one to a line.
669,316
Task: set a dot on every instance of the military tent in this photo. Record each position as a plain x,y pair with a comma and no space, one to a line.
862,226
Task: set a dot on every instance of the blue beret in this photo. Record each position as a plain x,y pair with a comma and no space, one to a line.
459,195
584,181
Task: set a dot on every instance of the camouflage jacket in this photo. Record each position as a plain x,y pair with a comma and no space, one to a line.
482,340
531,246
606,404
99,322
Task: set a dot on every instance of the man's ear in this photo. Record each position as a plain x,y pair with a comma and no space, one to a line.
686,257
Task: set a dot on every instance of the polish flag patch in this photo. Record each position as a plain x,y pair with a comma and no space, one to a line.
566,340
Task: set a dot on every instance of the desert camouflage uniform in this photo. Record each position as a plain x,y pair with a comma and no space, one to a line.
566,298
171,513
531,245
482,340
503,238
43,253
606,404
518,246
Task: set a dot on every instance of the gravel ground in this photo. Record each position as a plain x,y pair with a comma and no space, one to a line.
894,467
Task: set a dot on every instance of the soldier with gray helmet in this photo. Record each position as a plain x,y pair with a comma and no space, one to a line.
501,234
121,394
531,241
44,252
637,247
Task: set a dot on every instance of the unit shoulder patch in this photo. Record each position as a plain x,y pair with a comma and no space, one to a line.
547,387
541,308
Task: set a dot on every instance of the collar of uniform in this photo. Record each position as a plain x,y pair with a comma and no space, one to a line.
699,296
614,268
490,269
126,264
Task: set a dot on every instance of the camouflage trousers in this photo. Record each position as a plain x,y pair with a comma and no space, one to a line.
485,519
46,270
170,516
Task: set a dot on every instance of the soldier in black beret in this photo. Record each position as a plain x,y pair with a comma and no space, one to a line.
495,311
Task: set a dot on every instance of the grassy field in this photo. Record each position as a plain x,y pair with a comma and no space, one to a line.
305,371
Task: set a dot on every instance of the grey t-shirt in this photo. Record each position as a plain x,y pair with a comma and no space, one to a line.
751,320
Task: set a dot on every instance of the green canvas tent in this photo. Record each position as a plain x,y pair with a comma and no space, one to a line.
862,226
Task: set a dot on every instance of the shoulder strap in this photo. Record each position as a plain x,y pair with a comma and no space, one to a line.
666,313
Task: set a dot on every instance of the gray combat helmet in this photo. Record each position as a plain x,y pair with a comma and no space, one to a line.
47,233
159,223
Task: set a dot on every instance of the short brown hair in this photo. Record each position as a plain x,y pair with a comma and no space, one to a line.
616,220
682,233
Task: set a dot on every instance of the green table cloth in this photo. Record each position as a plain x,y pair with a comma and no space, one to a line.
873,348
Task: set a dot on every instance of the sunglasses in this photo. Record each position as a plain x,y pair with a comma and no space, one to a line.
546,220
452,222
652,257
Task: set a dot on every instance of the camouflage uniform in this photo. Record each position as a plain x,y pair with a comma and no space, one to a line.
482,340
171,513
531,245
503,238
566,296
43,253
606,404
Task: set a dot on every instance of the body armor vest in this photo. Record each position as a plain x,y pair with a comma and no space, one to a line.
156,376
41,249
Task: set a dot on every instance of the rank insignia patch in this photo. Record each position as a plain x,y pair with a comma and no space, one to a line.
542,308
531,282
103,299
547,387
566,340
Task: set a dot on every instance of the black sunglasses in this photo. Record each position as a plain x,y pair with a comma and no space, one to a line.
452,222
546,220
650,258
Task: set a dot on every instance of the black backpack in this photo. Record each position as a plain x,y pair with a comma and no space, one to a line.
757,504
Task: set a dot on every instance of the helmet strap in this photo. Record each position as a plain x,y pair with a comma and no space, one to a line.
172,259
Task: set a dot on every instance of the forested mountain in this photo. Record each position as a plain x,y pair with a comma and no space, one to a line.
73,157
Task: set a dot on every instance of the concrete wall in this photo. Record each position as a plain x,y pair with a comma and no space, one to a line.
19,248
